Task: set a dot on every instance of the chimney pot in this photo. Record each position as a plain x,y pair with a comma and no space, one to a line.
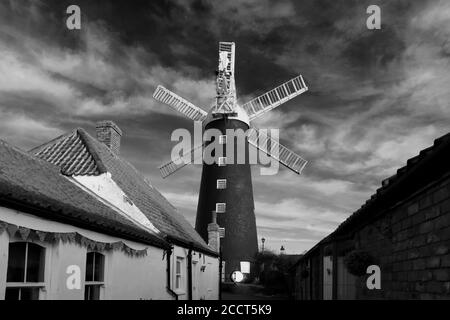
109,134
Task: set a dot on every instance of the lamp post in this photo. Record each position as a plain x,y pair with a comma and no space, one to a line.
262,247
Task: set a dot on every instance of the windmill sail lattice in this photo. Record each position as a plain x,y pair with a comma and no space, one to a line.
275,97
179,104
176,164
273,148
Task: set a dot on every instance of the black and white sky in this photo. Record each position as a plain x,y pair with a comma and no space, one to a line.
376,98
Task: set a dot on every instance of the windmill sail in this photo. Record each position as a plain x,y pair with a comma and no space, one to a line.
179,104
176,164
275,97
273,148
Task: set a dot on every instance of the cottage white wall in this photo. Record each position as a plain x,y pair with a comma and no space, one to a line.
209,278
206,282
137,278
125,277
4,240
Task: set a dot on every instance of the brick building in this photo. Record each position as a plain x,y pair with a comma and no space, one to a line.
404,227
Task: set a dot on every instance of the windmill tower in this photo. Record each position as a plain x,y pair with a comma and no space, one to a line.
226,188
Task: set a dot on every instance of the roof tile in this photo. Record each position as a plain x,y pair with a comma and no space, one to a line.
78,153
29,181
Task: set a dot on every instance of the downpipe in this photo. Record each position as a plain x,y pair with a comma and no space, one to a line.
189,258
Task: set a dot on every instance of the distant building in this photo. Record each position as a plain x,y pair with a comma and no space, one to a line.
404,229
74,206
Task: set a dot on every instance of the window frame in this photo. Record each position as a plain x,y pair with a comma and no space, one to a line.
179,275
41,285
222,161
100,284
223,139
220,205
221,184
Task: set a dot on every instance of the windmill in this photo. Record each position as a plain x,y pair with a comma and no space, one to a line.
226,188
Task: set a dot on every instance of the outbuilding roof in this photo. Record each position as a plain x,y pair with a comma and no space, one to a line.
430,165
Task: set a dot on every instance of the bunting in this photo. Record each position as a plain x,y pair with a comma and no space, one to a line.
27,234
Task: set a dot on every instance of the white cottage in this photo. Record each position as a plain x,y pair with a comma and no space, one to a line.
73,207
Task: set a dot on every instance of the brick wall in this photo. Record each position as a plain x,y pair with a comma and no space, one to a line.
110,134
411,244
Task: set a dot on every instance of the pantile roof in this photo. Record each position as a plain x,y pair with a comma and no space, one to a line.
29,183
78,153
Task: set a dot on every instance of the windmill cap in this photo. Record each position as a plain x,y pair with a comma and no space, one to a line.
241,115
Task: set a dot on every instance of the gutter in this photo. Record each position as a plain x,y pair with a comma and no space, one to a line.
186,244
54,214
168,287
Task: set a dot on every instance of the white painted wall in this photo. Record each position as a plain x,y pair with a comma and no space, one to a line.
208,279
205,283
107,191
4,240
125,277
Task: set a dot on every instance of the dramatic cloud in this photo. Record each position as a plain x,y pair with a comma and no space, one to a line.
375,99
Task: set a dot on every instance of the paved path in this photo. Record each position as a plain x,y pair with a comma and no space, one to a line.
248,292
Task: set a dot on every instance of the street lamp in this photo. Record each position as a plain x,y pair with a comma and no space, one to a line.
263,240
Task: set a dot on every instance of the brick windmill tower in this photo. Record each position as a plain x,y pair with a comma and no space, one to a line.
226,193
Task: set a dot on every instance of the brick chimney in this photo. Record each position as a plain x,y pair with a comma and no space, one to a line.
213,233
109,133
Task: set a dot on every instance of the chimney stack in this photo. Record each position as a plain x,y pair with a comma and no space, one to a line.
109,134
213,233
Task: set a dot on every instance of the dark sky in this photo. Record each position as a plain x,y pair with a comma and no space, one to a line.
376,98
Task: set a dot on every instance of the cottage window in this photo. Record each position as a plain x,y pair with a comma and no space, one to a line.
179,273
94,281
25,274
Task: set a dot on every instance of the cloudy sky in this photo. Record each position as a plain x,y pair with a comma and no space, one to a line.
376,98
